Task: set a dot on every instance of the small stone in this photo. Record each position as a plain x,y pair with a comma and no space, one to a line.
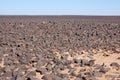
91,78
28,78
82,70
110,76
17,77
6,69
48,77
97,74
8,74
118,58
64,56
49,67
89,74
20,78
42,62
63,75
32,78
91,62
97,66
61,66
66,62
58,78
17,73
81,74
41,70
31,73
23,67
114,64
105,55
83,78
84,62
56,70
23,61
56,61
104,69
77,61
74,74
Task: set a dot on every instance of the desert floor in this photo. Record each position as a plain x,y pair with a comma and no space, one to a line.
59,48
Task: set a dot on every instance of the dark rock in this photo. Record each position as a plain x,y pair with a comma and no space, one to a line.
48,77
114,64
82,70
86,76
28,78
56,70
118,58
83,78
61,66
77,61
69,67
105,55
63,75
32,78
64,56
57,61
41,70
84,62
97,66
89,74
81,74
91,62
103,69
49,67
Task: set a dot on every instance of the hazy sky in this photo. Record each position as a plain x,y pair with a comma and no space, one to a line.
59,7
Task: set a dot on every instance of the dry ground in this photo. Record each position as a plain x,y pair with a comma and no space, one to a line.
59,48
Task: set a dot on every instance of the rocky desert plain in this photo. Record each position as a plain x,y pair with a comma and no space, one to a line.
59,48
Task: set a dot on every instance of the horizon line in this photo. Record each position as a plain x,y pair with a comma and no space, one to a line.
62,15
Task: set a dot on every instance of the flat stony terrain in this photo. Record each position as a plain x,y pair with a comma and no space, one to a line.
59,48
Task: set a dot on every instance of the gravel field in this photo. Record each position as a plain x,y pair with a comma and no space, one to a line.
59,48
